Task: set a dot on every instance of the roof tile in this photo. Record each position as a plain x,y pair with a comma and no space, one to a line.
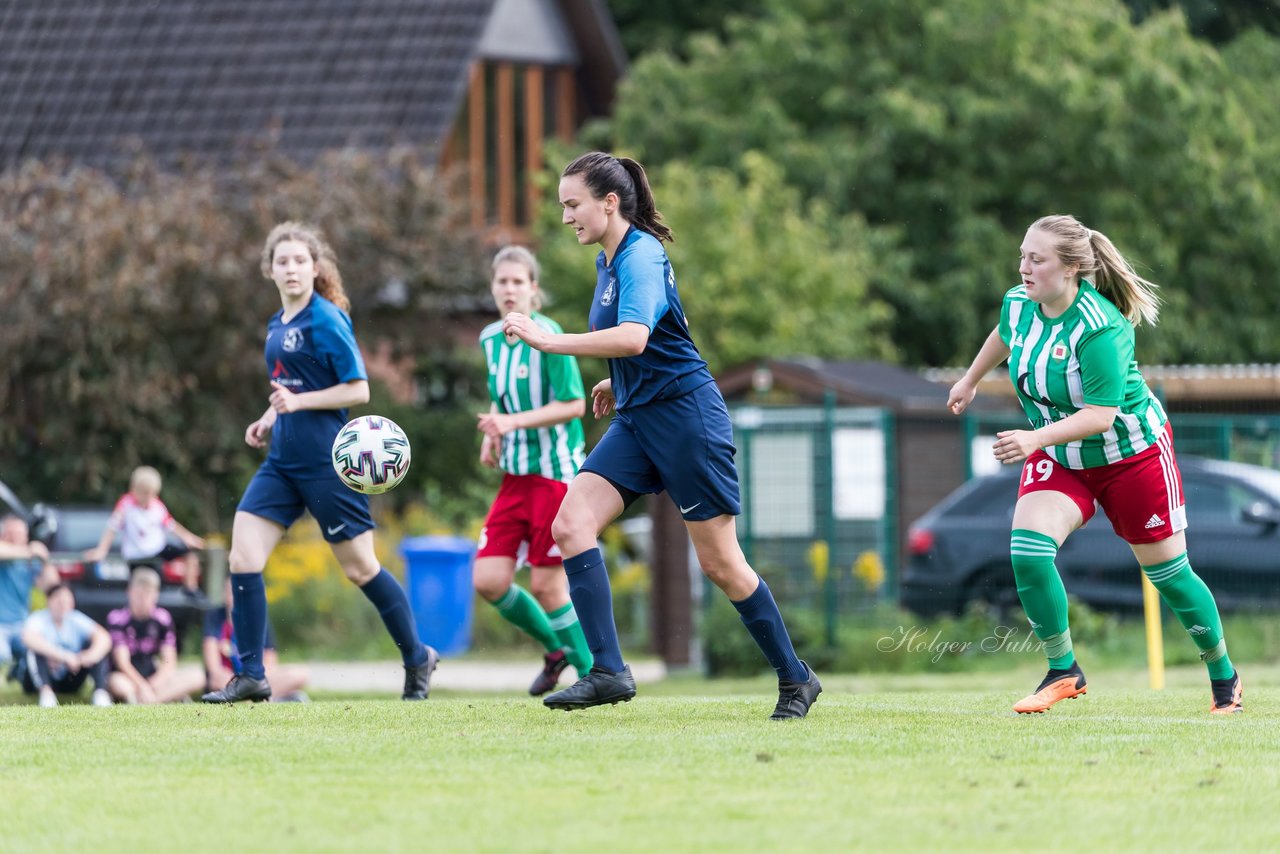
78,78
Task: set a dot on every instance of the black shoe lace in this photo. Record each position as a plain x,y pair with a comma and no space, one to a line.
786,697
232,688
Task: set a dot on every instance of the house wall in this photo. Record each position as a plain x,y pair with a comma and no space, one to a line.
932,460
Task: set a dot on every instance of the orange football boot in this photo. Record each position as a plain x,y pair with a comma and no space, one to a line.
1057,685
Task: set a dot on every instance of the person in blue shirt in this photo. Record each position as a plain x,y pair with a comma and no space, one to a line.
316,372
24,564
671,431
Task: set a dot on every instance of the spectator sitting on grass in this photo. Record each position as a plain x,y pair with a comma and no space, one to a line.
145,653
64,647
23,564
222,658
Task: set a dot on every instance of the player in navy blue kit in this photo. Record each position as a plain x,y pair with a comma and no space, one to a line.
671,431
316,373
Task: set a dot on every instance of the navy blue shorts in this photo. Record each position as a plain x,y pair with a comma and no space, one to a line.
683,445
342,512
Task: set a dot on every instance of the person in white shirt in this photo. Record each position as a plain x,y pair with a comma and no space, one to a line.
143,523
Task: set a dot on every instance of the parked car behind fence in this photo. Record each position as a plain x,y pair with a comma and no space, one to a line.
959,550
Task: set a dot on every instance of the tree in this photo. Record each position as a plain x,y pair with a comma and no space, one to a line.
949,126
1218,21
760,272
663,25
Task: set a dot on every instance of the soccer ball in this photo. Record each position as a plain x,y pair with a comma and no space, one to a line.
371,454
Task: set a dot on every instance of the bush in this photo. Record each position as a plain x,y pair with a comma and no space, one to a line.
135,310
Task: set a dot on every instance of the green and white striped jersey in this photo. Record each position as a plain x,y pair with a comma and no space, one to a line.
522,378
1083,356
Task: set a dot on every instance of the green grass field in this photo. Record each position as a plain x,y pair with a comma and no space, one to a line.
914,763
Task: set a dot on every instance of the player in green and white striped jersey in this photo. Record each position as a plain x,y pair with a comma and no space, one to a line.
533,432
1098,436
1045,367
523,380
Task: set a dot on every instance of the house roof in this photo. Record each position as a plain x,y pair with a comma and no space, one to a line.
84,79
577,33
853,383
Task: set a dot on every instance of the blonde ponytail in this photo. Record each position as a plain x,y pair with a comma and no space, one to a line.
1101,263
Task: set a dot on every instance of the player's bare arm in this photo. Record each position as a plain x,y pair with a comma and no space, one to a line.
255,435
625,339
498,424
338,396
993,352
602,399
1014,446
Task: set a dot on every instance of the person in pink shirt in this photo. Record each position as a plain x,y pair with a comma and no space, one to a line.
143,524
144,648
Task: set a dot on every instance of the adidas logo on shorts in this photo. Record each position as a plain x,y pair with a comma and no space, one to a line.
1155,521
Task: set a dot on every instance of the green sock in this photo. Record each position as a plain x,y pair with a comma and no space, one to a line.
1044,599
1189,597
565,622
518,607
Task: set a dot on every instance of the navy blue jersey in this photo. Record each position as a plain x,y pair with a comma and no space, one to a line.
315,350
640,287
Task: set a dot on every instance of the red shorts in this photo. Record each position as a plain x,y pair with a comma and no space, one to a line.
1141,495
519,522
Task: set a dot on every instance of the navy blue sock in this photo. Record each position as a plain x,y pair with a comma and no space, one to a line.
593,600
249,620
762,618
388,597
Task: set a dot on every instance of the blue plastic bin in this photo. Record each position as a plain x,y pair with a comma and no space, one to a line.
438,580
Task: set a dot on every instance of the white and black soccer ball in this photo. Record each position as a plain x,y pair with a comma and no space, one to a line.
371,454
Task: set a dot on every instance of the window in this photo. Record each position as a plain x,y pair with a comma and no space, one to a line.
782,500
1217,502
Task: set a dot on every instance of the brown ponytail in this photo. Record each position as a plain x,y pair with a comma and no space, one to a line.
604,174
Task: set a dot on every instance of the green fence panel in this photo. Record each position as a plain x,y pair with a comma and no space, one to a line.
818,487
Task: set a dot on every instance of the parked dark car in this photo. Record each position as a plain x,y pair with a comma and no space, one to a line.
99,586
959,550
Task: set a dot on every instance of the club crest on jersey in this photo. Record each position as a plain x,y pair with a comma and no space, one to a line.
522,372
1059,351
610,292
292,340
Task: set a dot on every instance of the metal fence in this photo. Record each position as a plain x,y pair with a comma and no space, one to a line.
820,484
818,488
